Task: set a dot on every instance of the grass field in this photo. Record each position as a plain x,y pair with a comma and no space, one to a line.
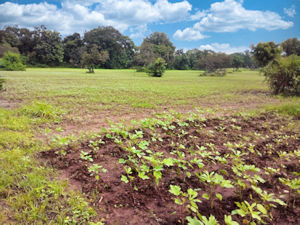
63,110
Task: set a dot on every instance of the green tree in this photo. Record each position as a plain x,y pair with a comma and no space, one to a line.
291,46
155,46
237,60
265,52
73,49
157,68
93,57
49,47
181,61
12,61
121,49
283,75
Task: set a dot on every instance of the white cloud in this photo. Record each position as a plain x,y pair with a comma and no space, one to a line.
79,16
188,34
223,47
231,16
291,12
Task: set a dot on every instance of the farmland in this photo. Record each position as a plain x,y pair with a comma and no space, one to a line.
119,147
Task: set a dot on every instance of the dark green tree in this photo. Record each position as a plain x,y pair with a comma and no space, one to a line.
121,49
181,61
73,49
265,52
291,46
49,47
237,60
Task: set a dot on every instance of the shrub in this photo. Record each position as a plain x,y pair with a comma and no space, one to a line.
12,62
283,75
157,68
216,73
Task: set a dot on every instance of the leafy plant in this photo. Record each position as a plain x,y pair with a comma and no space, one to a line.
283,75
213,179
157,68
95,169
188,199
12,61
251,212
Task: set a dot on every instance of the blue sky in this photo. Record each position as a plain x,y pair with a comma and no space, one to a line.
220,25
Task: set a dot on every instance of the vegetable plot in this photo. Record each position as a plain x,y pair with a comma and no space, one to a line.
190,170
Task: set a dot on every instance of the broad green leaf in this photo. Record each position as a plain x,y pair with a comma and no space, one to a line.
193,221
205,196
124,179
219,196
175,190
262,209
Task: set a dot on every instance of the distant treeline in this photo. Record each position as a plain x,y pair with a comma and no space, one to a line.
43,47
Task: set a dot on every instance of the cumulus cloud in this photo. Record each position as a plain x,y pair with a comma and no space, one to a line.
231,16
188,34
223,47
291,12
76,15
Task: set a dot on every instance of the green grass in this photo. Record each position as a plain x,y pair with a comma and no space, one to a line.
106,89
29,194
41,98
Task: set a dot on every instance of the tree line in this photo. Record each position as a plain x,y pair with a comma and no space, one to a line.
106,47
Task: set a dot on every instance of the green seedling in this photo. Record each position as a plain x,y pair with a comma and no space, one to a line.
95,170
228,220
202,221
294,190
86,156
251,213
213,179
188,200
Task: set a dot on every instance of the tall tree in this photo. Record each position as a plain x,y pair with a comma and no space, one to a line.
120,48
181,61
73,49
291,46
156,45
265,52
49,47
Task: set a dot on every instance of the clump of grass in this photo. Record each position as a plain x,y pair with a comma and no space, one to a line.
292,109
42,110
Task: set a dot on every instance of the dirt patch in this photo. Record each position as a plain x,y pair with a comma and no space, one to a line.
143,164
9,104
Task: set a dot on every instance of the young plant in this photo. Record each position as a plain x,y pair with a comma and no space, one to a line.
188,200
294,190
86,156
213,179
250,213
202,221
95,170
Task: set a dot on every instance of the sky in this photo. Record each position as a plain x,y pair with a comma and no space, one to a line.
220,25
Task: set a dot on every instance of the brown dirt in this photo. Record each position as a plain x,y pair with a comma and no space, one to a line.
143,202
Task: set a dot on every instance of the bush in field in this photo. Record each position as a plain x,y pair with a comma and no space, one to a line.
215,73
12,62
157,68
283,75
